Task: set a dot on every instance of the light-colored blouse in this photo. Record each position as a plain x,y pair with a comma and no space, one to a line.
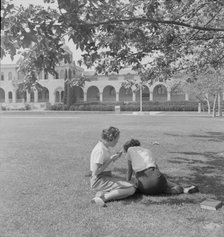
99,155
141,158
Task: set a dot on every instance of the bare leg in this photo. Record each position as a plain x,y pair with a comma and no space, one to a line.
118,194
173,188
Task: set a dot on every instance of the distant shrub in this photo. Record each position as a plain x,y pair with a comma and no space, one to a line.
58,107
3,107
92,107
27,107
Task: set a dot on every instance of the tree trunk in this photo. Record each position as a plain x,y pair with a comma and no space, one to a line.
214,106
65,93
209,106
199,104
220,103
68,94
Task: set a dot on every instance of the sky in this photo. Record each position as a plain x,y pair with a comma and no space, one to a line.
25,3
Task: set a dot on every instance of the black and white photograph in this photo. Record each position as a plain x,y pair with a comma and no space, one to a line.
112,118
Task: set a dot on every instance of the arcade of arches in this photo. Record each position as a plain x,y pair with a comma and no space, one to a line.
93,93
111,93
16,96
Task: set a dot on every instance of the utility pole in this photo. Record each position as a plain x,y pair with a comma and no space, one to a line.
140,98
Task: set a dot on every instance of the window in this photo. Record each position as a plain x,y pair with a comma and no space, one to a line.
62,96
62,74
45,75
57,75
10,96
2,76
57,96
10,76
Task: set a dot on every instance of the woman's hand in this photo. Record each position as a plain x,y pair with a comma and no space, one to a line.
116,156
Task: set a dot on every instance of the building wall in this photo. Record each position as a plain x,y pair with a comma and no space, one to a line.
98,88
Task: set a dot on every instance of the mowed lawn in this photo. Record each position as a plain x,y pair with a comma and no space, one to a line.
44,183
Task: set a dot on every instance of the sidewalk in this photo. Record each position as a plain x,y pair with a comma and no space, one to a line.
133,113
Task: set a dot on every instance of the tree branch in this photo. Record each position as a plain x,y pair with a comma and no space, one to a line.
149,20
206,23
185,13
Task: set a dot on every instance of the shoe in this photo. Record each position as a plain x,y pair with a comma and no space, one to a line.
98,201
100,194
191,189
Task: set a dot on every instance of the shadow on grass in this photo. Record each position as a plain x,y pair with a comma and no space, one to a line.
209,136
207,172
168,199
163,199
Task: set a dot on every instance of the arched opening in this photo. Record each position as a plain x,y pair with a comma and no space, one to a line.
10,76
109,94
76,94
59,95
2,95
93,94
160,93
43,95
177,94
10,96
125,94
20,96
62,96
145,94
31,96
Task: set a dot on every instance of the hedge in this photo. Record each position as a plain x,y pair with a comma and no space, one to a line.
130,106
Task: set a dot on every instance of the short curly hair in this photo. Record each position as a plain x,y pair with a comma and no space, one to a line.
130,143
110,134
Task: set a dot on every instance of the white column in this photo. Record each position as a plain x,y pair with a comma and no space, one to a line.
199,107
168,95
52,96
117,96
85,96
14,96
186,96
101,96
151,95
134,96
27,97
6,96
35,96
141,98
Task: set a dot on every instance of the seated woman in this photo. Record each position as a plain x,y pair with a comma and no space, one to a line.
150,180
107,187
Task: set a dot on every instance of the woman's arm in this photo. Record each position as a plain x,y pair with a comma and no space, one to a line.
98,168
130,171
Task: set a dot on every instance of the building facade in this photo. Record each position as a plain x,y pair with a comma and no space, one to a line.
99,88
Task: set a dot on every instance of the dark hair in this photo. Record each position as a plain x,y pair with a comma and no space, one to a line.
130,143
110,134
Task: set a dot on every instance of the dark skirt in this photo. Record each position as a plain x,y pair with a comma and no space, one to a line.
152,182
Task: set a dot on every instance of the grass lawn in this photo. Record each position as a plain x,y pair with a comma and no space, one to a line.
44,190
